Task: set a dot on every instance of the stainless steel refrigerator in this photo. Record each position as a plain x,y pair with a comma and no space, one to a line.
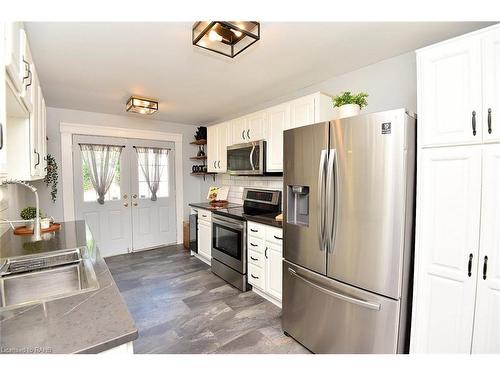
348,233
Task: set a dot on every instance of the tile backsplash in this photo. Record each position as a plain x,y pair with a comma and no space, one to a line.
238,183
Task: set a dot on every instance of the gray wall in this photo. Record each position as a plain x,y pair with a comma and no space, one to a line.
193,186
390,84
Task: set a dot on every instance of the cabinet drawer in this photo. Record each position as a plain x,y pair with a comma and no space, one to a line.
256,230
204,215
274,235
255,276
255,258
255,244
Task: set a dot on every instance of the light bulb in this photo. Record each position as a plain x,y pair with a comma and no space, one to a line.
213,36
237,33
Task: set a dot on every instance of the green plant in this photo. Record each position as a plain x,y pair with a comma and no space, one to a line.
347,97
51,176
29,213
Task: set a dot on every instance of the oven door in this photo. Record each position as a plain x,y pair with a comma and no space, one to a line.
246,158
229,242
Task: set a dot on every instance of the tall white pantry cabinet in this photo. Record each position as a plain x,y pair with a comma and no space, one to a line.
456,306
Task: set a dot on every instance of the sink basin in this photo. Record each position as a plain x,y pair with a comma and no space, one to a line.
34,279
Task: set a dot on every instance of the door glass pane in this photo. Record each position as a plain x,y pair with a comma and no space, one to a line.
163,189
89,193
228,241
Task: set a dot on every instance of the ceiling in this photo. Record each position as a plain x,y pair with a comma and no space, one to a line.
97,66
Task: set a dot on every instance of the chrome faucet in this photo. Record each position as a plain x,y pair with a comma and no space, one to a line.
37,230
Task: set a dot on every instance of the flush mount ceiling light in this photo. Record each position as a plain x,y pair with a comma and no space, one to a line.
229,38
141,105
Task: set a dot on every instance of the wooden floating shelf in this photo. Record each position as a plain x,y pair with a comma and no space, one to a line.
198,158
199,142
204,174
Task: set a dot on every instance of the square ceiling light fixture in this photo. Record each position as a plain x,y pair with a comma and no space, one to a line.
141,105
229,38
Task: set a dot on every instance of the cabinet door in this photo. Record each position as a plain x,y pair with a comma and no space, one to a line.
205,240
3,118
42,132
13,55
487,323
278,118
301,112
35,157
256,123
449,91
212,148
28,89
491,85
222,137
239,128
448,210
274,271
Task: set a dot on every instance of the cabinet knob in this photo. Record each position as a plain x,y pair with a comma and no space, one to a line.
125,204
134,196
134,204
125,196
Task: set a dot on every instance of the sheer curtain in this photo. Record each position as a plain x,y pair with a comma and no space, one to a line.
102,161
151,166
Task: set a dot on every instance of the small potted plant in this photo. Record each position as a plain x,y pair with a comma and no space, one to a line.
29,213
350,104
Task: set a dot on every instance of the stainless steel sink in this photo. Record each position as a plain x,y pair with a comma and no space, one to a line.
39,278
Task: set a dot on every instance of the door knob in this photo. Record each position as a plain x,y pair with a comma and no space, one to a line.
125,204
135,204
134,196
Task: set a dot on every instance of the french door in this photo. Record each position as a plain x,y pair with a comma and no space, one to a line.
129,219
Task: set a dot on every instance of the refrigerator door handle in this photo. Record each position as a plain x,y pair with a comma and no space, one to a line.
331,199
343,297
321,199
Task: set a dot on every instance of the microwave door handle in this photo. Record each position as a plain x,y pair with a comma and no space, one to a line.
251,158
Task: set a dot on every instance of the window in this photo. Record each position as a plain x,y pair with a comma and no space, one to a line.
149,161
89,193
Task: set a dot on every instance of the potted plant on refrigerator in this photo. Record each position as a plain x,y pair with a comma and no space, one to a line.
349,104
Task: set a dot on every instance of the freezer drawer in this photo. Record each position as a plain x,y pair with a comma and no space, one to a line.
327,316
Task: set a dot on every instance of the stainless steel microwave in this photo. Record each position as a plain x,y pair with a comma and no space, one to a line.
247,159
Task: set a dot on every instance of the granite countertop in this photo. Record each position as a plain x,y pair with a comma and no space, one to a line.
89,322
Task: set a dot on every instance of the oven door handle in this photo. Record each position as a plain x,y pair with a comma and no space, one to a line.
228,224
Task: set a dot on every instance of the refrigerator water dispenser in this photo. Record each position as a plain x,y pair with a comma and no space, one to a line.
298,205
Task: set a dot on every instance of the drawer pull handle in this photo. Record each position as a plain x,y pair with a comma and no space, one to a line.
253,230
251,257
265,253
278,238
254,245
254,277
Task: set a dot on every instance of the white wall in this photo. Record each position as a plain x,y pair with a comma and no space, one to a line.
192,185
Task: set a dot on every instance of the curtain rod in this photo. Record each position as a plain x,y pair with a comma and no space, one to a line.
159,148
99,144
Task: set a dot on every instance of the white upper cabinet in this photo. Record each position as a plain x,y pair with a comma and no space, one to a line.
256,126
302,112
28,88
447,249
449,92
217,141
239,129
486,337
13,55
212,148
491,86
278,119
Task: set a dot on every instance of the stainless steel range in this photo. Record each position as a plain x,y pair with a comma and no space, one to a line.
229,234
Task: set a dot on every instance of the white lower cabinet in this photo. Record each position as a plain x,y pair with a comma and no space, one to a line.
265,259
457,251
205,235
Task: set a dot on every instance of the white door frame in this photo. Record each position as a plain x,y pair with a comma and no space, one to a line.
69,129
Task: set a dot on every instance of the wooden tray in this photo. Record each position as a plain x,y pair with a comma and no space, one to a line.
23,231
218,203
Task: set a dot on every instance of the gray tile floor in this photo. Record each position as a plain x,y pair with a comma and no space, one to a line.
179,306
